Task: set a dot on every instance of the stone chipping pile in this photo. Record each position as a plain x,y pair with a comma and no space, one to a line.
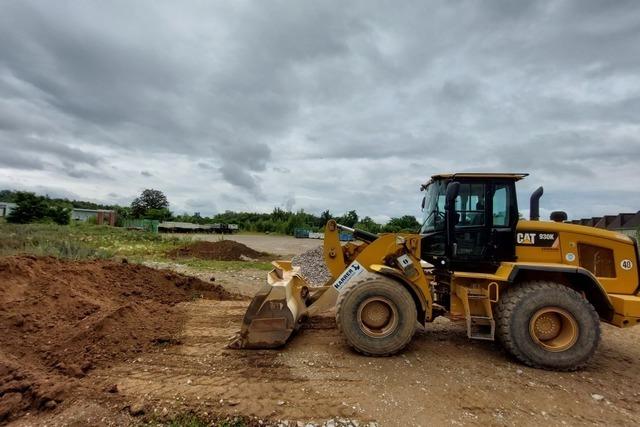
312,266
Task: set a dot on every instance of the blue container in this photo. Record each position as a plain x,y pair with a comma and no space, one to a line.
346,236
301,233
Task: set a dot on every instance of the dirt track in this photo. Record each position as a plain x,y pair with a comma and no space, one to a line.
285,246
442,378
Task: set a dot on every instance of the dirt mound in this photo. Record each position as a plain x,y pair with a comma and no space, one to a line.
223,250
61,319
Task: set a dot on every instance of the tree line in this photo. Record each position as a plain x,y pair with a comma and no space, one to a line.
153,204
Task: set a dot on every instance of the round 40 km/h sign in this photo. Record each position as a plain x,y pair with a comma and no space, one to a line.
626,264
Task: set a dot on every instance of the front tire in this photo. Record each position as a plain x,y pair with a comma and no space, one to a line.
376,314
548,325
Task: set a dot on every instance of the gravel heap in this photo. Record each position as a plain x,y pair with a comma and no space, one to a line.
312,266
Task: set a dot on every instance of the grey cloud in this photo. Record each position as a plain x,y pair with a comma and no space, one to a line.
15,160
204,165
60,151
327,101
289,202
237,176
233,199
28,153
205,205
146,173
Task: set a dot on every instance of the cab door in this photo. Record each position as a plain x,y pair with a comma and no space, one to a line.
504,219
486,217
471,228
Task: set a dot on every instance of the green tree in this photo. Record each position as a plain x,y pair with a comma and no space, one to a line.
30,208
349,219
149,199
163,214
7,196
59,214
368,224
324,218
297,220
33,208
406,223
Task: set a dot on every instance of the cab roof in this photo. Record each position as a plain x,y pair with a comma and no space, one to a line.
514,176
477,175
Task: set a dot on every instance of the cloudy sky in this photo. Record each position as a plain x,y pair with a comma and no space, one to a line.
247,105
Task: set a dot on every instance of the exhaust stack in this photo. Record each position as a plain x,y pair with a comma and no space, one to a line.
534,204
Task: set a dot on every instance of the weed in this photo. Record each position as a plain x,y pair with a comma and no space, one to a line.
188,420
80,241
208,264
84,241
192,420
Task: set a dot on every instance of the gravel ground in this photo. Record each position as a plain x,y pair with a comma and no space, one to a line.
284,247
312,266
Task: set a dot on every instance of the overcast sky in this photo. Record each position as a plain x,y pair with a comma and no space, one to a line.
319,104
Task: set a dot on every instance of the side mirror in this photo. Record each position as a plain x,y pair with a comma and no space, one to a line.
453,188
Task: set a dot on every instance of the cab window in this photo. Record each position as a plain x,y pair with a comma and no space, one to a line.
501,198
470,205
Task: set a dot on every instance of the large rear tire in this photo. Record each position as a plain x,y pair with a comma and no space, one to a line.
548,325
376,314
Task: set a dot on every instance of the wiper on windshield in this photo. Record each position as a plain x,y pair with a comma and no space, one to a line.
428,217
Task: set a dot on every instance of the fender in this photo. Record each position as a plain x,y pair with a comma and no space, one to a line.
579,277
422,305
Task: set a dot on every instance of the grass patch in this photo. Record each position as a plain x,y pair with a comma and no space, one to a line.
81,241
206,264
192,420
188,421
84,241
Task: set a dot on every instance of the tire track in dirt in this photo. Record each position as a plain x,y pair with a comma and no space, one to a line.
201,374
441,378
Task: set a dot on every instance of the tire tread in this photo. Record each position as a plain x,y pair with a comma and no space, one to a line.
507,305
349,288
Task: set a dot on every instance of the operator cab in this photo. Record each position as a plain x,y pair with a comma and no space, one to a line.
469,220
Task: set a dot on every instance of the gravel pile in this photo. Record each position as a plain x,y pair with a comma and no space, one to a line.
312,266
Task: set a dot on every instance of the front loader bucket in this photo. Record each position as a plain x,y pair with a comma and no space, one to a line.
275,310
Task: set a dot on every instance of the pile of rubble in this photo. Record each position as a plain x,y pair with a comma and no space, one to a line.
312,266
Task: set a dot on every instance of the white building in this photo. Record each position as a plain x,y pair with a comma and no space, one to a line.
6,208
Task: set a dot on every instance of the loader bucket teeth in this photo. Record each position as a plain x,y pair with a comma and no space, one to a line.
274,312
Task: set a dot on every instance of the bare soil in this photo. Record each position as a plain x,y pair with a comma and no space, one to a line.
62,320
283,247
222,250
441,379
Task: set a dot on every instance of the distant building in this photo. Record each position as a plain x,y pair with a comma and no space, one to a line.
625,223
6,208
188,227
102,216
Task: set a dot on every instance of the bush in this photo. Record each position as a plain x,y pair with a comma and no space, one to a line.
60,215
31,208
406,224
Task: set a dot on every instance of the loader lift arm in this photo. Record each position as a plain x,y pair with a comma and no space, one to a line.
286,300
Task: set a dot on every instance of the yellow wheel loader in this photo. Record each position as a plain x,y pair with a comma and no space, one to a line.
540,287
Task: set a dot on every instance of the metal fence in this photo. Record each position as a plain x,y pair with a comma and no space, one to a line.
142,224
